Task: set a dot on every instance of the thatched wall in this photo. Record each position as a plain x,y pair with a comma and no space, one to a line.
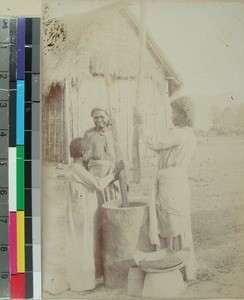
61,125
54,146
92,47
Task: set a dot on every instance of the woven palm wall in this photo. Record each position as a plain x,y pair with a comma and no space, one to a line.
80,52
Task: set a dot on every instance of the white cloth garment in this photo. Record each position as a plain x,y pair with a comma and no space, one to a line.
169,205
102,160
82,227
101,168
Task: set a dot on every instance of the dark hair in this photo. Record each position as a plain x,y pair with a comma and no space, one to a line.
78,146
185,106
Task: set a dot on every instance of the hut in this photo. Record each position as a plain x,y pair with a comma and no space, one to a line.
80,51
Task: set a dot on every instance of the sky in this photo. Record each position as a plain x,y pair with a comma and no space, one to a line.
204,42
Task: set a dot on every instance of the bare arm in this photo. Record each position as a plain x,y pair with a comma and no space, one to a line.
163,141
160,141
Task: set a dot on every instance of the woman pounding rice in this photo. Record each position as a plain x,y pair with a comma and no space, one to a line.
170,221
83,219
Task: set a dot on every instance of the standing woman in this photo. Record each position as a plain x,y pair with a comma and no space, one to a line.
170,220
102,150
83,219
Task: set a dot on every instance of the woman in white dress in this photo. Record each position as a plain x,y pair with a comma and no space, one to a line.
82,222
170,221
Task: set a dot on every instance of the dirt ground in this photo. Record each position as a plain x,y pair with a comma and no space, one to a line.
217,190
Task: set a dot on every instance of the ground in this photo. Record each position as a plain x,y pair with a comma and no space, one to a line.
217,188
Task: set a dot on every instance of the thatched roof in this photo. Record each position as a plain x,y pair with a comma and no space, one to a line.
99,43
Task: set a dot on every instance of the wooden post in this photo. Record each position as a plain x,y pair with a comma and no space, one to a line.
67,116
166,103
117,150
140,78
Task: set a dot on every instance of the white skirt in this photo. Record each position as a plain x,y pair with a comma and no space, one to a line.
170,211
81,243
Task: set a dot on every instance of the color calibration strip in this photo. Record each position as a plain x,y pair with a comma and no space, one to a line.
20,239
4,140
